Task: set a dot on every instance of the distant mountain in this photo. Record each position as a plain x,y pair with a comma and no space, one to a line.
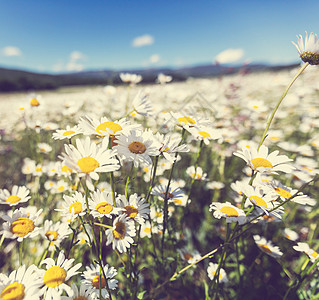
18,80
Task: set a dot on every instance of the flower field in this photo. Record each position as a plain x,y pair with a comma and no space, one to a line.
178,190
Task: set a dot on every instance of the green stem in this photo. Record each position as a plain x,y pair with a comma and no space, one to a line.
153,179
279,102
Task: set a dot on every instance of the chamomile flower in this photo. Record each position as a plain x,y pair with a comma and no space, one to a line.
56,275
197,174
21,225
101,204
228,211
163,79
61,187
67,133
131,78
44,148
262,162
137,146
19,194
189,256
83,294
291,235
211,271
204,133
88,159
74,206
188,121
55,232
169,146
104,126
142,105
146,230
304,247
21,284
121,234
267,246
308,51
174,192
92,280
135,207
286,192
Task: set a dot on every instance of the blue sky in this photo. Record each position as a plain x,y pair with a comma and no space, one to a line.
67,35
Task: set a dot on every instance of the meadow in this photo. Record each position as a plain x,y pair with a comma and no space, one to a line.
175,190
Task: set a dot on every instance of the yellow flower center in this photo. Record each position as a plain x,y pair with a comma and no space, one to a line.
229,211
13,199
88,164
137,147
34,102
51,235
186,120
104,208
258,201
265,248
75,208
219,277
61,188
310,57
68,132
147,230
13,291
38,169
314,254
158,214
178,201
204,134
119,231
96,282
66,169
80,298
22,226
131,211
261,162
114,127
188,256
54,276
283,193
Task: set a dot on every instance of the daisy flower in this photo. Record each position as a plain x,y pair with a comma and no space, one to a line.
267,246
174,192
286,192
131,78
304,247
142,105
262,162
188,121
121,234
19,194
146,229
28,166
197,174
21,225
88,159
83,294
23,283
189,256
137,146
67,133
163,79
44,148
228,211
169,146
104,126
204,133
56,275
74,206
291,235
308,51
134,207
92,280
211,271
101,204
61,187
55,232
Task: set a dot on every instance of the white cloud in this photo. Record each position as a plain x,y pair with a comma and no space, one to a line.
73,64
155,58
229,56
143,40
11,51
